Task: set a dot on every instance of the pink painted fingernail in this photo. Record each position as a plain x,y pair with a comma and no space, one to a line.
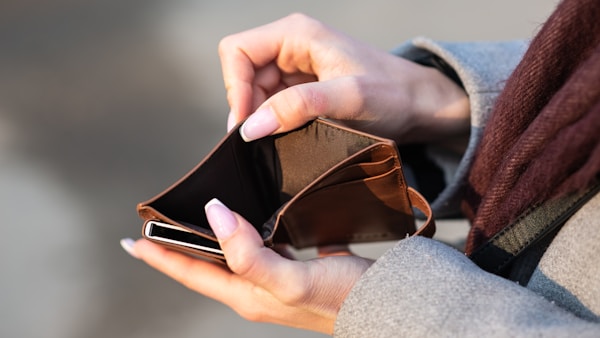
128,245
260,124
230,121
221,219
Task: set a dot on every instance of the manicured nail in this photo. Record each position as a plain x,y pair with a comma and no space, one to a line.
230,121
260,124
221,219
128,245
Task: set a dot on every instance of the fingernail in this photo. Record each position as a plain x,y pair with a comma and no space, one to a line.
260,124
230,121
221,219
128,245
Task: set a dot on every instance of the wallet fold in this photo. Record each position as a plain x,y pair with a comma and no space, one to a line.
317,185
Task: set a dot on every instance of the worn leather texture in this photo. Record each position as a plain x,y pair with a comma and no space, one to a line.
317,185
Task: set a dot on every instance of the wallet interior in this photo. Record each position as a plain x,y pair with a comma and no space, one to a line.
256,179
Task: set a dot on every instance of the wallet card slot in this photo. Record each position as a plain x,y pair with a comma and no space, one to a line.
356,171
376,208
374,160
361,181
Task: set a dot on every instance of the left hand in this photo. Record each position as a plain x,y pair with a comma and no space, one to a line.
281,75
258,283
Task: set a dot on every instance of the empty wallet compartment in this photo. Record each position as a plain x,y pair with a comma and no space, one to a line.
319,184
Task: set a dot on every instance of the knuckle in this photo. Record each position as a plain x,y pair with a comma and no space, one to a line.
360,90
298,17
243,264
304,23
307,100
226,44
317,102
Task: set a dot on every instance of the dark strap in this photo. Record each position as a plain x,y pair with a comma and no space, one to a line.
502,249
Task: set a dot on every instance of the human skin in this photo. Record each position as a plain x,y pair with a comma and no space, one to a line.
286,73
259,283
278,77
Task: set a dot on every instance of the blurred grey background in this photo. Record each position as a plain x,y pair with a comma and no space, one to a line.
103,103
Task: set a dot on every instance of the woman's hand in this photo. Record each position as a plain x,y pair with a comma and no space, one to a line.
258,283
280,76
286,73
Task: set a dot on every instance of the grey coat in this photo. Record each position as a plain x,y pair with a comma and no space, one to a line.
424,288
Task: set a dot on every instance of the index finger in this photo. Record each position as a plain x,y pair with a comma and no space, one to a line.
284,42
240,55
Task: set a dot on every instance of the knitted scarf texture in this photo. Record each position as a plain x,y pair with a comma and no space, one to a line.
543,138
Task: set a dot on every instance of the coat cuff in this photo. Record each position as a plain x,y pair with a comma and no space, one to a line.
482,69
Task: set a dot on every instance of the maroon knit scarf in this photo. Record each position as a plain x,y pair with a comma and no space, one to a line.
543,139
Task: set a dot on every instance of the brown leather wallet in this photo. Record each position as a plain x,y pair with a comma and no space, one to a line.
317,185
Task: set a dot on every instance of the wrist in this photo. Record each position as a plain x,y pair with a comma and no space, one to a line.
441,108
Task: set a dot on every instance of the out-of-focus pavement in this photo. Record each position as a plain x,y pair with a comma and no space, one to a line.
105,102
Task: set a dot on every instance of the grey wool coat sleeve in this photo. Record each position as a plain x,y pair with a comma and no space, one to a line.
483,68
424,288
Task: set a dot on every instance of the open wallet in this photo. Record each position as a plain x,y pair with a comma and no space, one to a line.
320,184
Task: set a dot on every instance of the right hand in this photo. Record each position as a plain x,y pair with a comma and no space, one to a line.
258,283
283,74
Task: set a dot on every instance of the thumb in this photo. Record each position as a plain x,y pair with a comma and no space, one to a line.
245,252
294,106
